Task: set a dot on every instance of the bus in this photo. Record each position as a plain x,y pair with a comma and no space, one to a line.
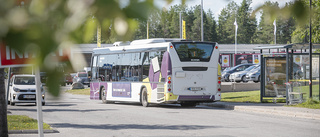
158,72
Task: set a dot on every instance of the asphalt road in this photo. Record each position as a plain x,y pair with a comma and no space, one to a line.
78,116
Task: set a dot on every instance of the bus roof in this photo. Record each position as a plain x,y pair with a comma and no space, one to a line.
154,40
132,48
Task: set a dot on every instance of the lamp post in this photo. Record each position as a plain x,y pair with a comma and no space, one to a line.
310,53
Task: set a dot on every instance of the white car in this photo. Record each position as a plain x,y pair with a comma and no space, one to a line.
22,89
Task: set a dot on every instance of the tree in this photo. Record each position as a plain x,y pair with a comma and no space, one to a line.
196,27
226,29
302,31
265,31
210,32
246,22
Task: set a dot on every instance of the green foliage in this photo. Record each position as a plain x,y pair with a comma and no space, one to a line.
310,103
165,24
45,27
226,19
246,22
302,33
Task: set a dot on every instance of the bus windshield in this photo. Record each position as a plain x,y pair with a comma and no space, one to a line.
194,52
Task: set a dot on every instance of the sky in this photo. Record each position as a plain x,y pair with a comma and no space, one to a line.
217,5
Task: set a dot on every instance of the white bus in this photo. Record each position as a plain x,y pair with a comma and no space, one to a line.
183,72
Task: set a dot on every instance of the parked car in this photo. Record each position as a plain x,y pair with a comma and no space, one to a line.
225,74
22,89
241,75
82,77
69,79
254,75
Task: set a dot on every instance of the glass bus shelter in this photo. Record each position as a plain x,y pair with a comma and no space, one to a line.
285,72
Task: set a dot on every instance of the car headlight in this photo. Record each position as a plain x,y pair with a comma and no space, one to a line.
16,89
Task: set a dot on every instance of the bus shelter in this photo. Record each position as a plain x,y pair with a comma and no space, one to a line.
285,72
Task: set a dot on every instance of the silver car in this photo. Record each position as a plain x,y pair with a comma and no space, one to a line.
241,75
254,75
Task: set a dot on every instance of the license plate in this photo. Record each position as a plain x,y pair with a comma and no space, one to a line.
194,88
29,96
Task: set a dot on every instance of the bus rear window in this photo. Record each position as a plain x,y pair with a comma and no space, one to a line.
194,52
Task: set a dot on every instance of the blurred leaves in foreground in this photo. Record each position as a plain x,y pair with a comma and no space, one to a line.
50,27
300,11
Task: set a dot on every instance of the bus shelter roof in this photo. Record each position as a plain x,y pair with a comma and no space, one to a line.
294,46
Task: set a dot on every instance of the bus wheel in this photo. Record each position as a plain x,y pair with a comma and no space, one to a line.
103,95
144,97
188,104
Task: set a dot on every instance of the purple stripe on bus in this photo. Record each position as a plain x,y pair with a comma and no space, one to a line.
121,90
95,89
166,68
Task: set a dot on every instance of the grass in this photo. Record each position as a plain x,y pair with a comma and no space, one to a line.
312,104
254,97
248,96
79,91
21,122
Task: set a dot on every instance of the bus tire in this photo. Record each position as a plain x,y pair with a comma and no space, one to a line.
144,97
103,95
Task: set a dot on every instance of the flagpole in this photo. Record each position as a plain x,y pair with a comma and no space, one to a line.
235,50
275,31
201,20
235,37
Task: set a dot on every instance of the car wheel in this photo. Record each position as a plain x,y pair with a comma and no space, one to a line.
11,103
144,97
228,78
243,79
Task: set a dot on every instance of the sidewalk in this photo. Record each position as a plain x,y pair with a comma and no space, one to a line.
278,109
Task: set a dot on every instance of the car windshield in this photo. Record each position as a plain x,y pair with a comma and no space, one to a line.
83,75
24,81
250,68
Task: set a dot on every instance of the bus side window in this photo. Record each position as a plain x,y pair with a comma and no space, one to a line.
134,67
145,65
94,68
102,67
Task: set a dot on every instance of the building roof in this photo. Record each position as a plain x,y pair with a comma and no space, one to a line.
294,46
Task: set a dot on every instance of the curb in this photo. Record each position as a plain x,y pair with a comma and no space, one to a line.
273,111
31,131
